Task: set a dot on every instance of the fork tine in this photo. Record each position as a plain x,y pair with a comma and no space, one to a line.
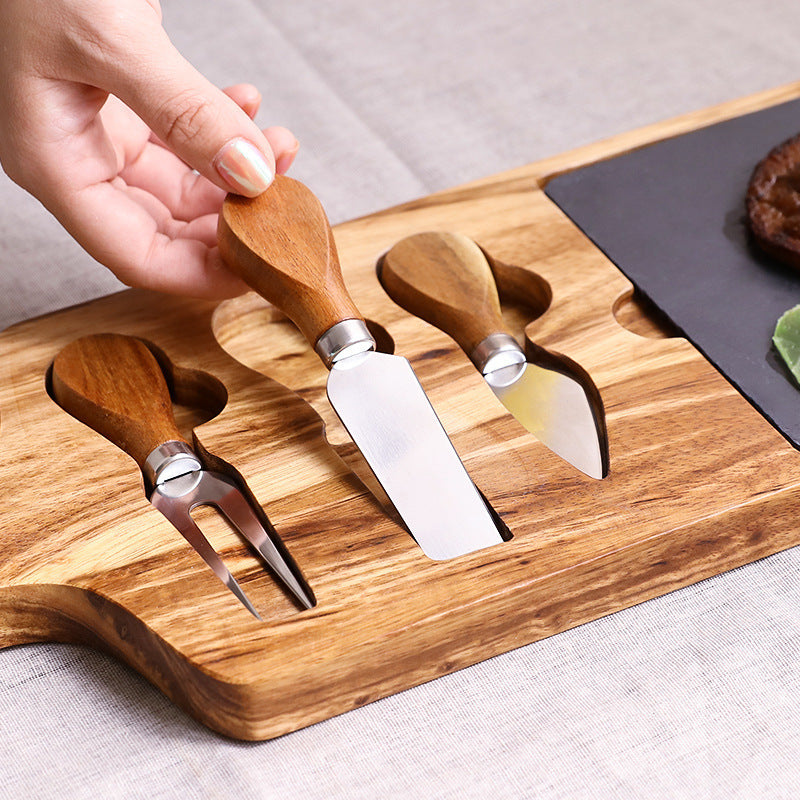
194,536
221,492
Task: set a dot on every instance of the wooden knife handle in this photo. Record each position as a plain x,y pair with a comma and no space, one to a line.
114,384
281,244
445,279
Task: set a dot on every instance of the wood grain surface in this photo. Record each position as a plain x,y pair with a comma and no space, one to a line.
87,559
281,244
445,279
115,385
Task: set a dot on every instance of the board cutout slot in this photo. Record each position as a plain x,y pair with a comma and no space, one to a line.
243,324
524,295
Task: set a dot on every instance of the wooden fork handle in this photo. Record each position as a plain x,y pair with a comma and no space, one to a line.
113,384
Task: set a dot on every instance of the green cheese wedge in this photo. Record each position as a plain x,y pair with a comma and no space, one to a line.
787,339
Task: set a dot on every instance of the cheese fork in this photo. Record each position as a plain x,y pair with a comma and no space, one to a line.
114,384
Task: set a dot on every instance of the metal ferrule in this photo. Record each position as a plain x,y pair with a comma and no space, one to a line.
170,460
496,351
344,339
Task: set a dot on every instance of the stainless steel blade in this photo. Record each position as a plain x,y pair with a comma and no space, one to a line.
177,497
555,409
223,494
381,403
166,498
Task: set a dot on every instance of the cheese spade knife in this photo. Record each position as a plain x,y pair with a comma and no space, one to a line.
281,244
114,384
445,279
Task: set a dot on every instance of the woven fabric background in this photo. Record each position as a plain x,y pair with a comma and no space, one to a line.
694,695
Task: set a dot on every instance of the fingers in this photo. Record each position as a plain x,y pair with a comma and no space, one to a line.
284,145
201,124
161,173
145,162
150,249
246,96
282,141
132,204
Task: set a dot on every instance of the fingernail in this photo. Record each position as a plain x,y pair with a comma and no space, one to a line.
244,167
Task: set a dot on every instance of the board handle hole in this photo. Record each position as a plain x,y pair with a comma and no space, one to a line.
638,314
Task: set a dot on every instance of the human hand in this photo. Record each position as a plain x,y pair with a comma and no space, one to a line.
108,126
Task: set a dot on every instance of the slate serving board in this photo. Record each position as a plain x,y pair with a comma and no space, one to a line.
671,216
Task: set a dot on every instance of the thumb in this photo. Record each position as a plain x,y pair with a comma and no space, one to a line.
197,121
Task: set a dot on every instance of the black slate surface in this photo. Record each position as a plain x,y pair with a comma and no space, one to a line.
671,216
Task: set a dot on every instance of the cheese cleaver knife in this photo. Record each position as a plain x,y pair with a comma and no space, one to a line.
445,279
282,245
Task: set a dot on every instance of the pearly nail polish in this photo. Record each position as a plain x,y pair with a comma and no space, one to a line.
244,167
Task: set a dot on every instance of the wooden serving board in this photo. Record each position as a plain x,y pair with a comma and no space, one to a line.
87,559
